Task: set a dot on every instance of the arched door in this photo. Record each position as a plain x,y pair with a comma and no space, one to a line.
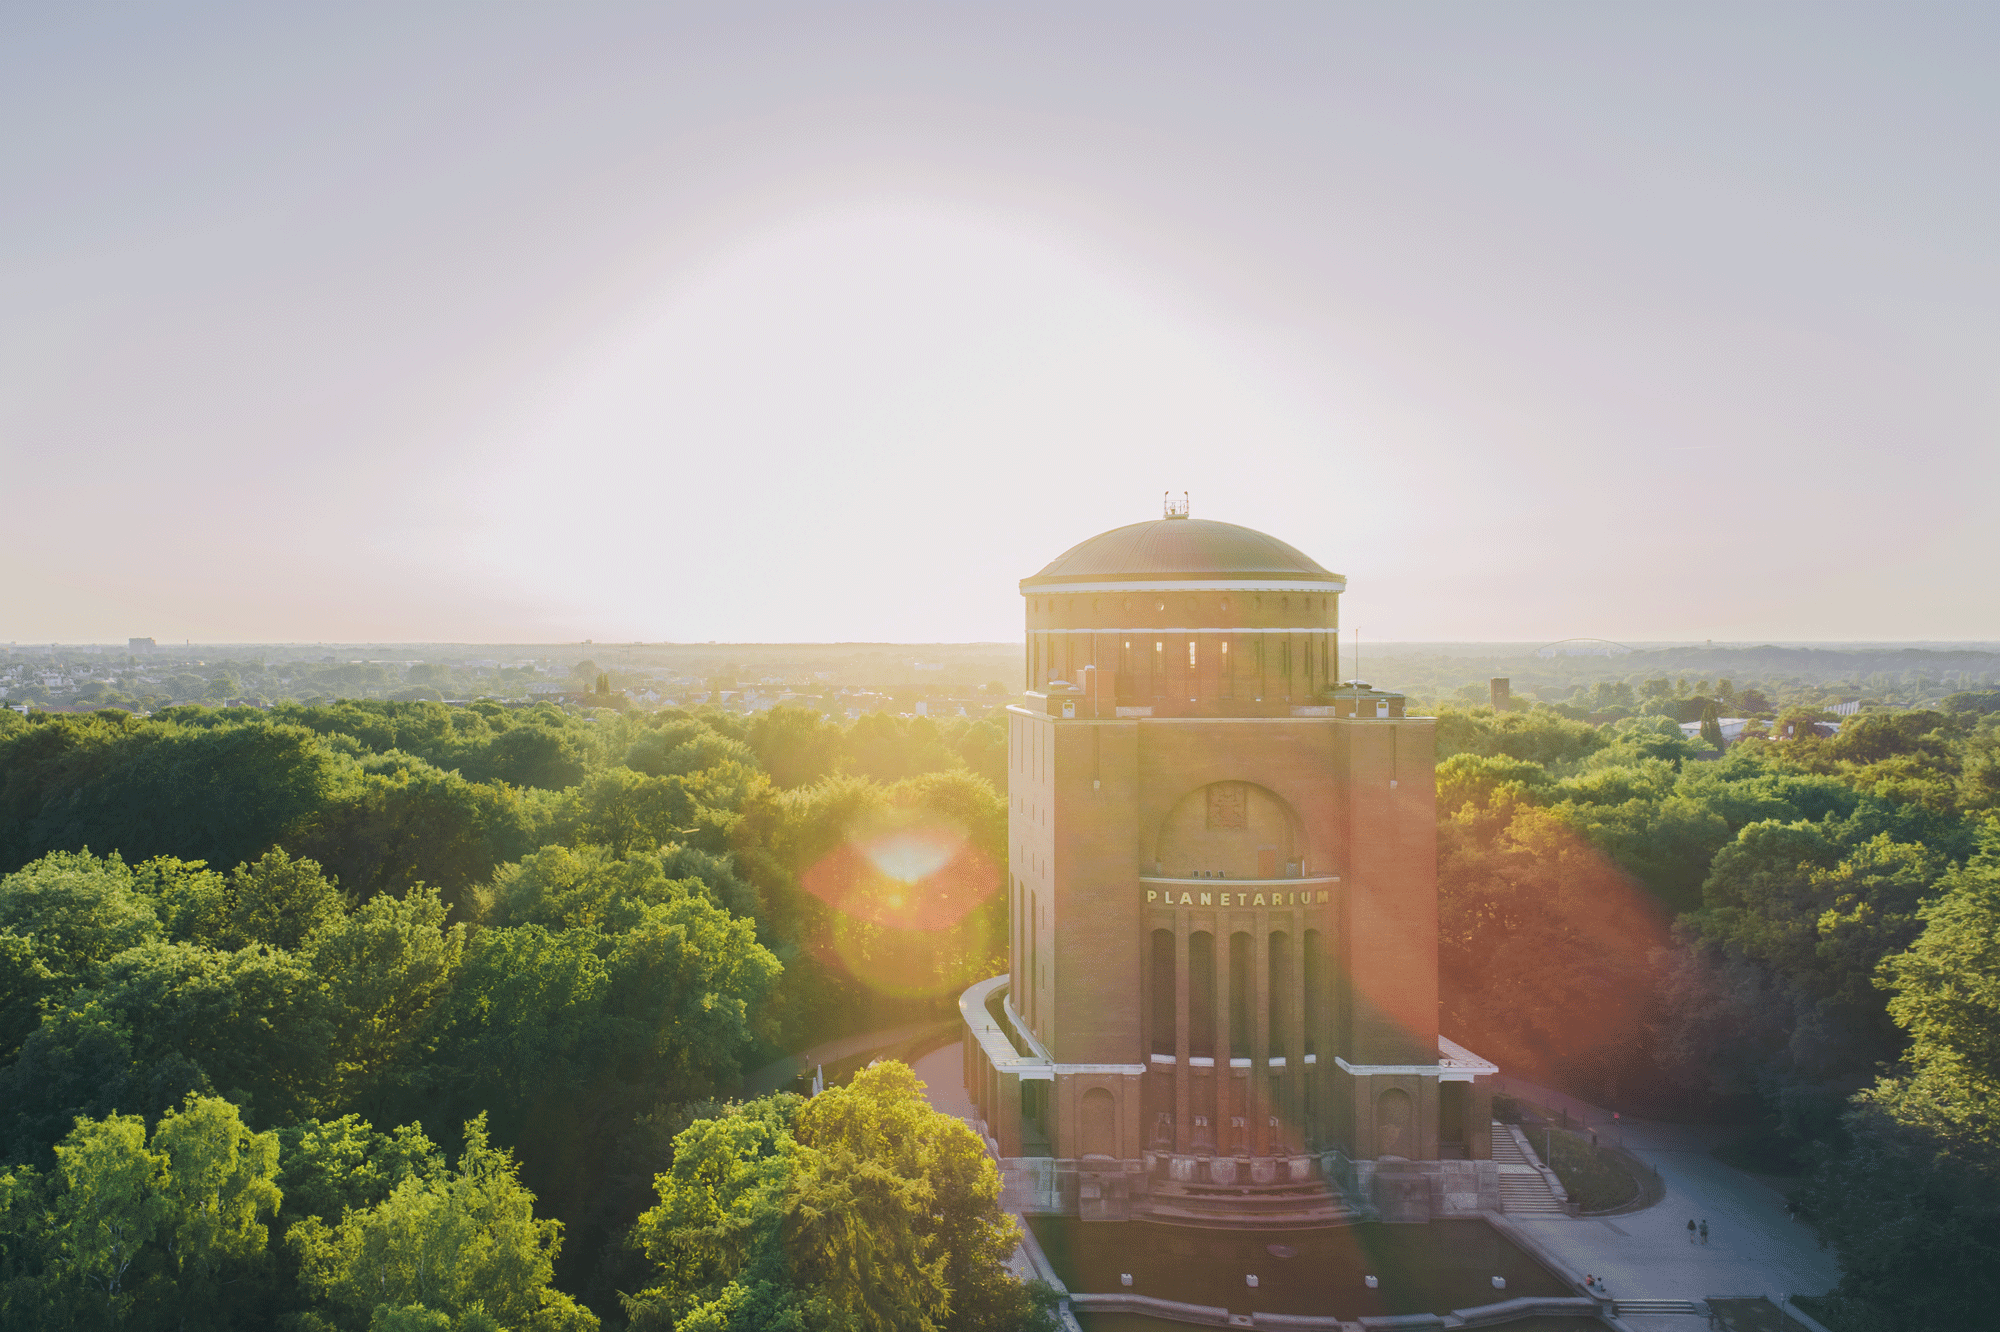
1100,1124
1395,1124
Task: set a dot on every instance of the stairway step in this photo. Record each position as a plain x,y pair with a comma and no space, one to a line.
1624,1307
1175,1216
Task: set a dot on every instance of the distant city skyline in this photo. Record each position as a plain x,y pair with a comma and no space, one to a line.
788,323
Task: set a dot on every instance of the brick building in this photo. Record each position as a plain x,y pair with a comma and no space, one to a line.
1222,998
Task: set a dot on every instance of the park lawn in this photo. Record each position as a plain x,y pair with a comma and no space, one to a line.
1596,1179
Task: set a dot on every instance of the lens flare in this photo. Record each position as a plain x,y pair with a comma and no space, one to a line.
904,908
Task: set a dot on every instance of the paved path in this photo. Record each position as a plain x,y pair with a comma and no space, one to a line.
1753,1247
775,1075
943,1074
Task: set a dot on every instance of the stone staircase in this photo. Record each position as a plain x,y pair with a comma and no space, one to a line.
1643,1308
1523,1189
1287,1206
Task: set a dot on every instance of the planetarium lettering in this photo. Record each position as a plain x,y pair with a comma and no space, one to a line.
1167,897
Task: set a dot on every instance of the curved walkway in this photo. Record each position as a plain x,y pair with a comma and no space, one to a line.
774,1075
1753,1247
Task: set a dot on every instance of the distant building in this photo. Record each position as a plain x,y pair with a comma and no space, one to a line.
1732,729
139,646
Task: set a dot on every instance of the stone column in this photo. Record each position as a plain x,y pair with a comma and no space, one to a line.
1183,1109
1295,1055
1258,1100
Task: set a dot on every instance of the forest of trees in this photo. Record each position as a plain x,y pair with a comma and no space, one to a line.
390,1014
398,1014
1804,936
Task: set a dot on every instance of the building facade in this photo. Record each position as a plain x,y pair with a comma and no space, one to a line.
1222,996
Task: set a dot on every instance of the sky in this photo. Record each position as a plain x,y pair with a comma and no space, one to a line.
811,322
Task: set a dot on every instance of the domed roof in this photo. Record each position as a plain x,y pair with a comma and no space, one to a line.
1181,550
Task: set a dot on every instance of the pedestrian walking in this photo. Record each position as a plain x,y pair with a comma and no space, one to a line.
1704,1230
1691,1230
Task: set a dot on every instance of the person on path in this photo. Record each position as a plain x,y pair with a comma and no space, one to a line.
1691,1231
1704,1230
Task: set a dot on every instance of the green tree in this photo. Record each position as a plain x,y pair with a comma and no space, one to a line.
525,1021
406,822
161,1233
627,811
685,745
25,979
77,1062
388,969
218,787
218,1188
282,902
863,1208
589,885
78,910
893,1211
1540,736
715,1234
541,751
1711,725
1908,1198
797,746
193,901
61,919
333,1166
464,1244
105,1212
257,1022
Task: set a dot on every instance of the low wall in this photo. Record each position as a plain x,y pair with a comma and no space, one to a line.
1196,1315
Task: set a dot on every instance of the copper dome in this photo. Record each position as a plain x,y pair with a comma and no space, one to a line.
1181,550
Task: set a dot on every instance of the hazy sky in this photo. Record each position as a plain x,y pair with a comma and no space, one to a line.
833,321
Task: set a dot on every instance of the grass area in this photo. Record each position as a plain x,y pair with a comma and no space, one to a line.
1832,1311
1596,1179
1431,1268
840,1072
1760,1315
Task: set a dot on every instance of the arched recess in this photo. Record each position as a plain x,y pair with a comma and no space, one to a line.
1100,1124
1165,1032
1201,994
1395,1124
1235,830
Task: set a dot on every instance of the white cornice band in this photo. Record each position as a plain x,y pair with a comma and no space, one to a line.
1176,629
1387,1070
1190,585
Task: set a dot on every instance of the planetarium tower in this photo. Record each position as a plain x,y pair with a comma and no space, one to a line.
1222,999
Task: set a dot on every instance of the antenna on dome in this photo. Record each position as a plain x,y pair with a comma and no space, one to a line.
1174,510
